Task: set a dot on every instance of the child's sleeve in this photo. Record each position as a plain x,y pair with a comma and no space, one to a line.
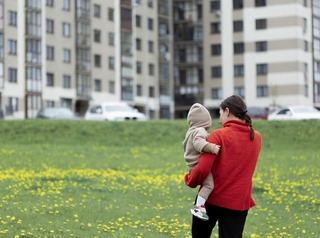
200,140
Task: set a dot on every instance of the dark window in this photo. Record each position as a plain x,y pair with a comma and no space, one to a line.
12,75
216,93
262,91
50,80
139,67
138,21
66,81
13,103
215,27
261,46
239,91
305,3
238,48
49,26
150,24
110,14
66,29
12,18
237,26
97,34
97,60
97,85
111,87
96,10
139,90
215,5
111,62
260,3
50,53
138,44
238,70
262,69
216,72
151,92
49,3
66,55
66,5
305,45
12,47
199,11
111,38
261,24
237,4
150,46
216,49
150,3
151,69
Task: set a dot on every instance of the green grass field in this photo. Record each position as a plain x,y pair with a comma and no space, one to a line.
125,179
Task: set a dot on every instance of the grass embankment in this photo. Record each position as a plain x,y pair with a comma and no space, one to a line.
109,179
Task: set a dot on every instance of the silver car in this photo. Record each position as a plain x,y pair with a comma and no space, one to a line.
295,113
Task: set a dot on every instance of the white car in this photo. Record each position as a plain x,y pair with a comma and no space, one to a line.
295,113
114,111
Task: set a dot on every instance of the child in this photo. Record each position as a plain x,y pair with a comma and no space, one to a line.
195,143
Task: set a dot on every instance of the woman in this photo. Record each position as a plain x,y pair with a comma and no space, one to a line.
232,171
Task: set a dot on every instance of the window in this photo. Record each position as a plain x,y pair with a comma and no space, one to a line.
33,54
262,91
12,47
150,46
305,3
238,70
216,49
150,3
49,26
66,29
97,34
34,79
83,9
66,54
261,24
237,4
66,81
305,45
305,25
34,4
151,69
150,24
1,76
215,5
139,67
110,14
12,75
111,87
33,23
237,26
111,38
216,72
239,91
50,52
50,80
138,21
305,70
138,44
97,85
66,5
96,10
83,32
1,46
260,3
238,48
49,103
97,60
216,93
12,18
49,3
139,90
13,103
262,69
261,46
83,59
215,27
151,92
111,62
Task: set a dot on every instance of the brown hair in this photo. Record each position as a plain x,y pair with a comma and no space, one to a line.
238,108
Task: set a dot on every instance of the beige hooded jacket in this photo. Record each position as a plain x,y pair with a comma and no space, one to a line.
199,121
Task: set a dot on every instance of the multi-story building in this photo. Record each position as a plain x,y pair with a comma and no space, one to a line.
161,56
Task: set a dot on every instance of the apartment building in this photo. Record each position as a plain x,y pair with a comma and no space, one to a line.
161,56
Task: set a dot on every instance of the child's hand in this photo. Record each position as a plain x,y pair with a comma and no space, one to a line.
215,149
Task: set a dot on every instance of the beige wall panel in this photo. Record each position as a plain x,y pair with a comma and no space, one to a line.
237,15
284,22
284,67
238,81
238,37
250,47
290,89
261,80
285,44
238,59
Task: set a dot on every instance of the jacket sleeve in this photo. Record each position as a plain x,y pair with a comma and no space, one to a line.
200,139
205,162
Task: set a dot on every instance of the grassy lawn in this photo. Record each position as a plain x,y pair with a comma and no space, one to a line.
125,179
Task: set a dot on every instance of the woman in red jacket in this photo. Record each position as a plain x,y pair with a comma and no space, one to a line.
232,171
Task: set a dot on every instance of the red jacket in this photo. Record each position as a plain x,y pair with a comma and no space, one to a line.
232,169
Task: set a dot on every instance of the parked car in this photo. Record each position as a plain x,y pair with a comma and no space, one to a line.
258,112
295,113
114,111
57,113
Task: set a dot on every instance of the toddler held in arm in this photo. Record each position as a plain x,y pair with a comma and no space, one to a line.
195,143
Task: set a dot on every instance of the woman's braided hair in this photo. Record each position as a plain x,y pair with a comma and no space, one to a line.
238,108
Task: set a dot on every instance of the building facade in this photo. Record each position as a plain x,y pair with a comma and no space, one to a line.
159,56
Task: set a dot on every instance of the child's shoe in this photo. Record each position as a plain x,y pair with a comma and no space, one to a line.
200,212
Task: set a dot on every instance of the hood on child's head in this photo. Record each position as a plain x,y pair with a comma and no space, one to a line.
199,116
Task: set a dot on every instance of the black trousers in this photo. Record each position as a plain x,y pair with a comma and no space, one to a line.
230,222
